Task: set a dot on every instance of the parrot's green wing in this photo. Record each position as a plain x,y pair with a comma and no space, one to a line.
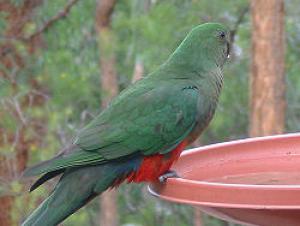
151,122
145,119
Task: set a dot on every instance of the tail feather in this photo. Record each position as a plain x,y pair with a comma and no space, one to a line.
76,187
45,177
74,190
74,159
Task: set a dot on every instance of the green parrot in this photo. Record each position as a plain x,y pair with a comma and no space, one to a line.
142,132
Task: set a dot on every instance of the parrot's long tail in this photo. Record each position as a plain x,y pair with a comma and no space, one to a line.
76,187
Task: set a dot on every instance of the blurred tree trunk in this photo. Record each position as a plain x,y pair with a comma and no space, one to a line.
109,88
198,215
198,219
138,70
267,82
6,201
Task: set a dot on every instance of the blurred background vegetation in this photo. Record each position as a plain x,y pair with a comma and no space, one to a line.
54,56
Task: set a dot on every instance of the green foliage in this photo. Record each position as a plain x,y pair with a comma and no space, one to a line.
293,67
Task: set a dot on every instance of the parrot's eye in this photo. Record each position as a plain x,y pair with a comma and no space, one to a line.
222,34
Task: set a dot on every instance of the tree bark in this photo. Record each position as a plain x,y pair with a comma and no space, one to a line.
267,82
198,215
6,203
109,87
198,221
138,70
109,209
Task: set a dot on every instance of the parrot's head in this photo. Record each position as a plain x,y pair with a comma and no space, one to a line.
214,41
206,44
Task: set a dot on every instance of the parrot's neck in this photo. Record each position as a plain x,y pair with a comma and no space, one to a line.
191,62
198,69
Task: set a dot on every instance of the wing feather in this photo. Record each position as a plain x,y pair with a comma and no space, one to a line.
142,120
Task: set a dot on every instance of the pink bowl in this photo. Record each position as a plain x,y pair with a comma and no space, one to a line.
254,181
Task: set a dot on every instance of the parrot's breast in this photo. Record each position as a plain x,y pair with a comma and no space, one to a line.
155,165
201,124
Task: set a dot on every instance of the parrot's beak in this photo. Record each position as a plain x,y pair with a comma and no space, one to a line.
228,50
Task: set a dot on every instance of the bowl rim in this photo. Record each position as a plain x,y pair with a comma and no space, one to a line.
283,194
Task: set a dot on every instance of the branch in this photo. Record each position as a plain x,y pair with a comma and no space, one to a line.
104,10
60,15
238,23
19,112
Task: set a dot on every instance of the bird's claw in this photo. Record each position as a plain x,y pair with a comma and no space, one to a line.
169,174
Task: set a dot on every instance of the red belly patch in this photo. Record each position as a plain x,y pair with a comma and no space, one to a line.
155,165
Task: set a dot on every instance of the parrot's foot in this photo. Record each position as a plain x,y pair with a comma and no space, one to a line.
169,174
